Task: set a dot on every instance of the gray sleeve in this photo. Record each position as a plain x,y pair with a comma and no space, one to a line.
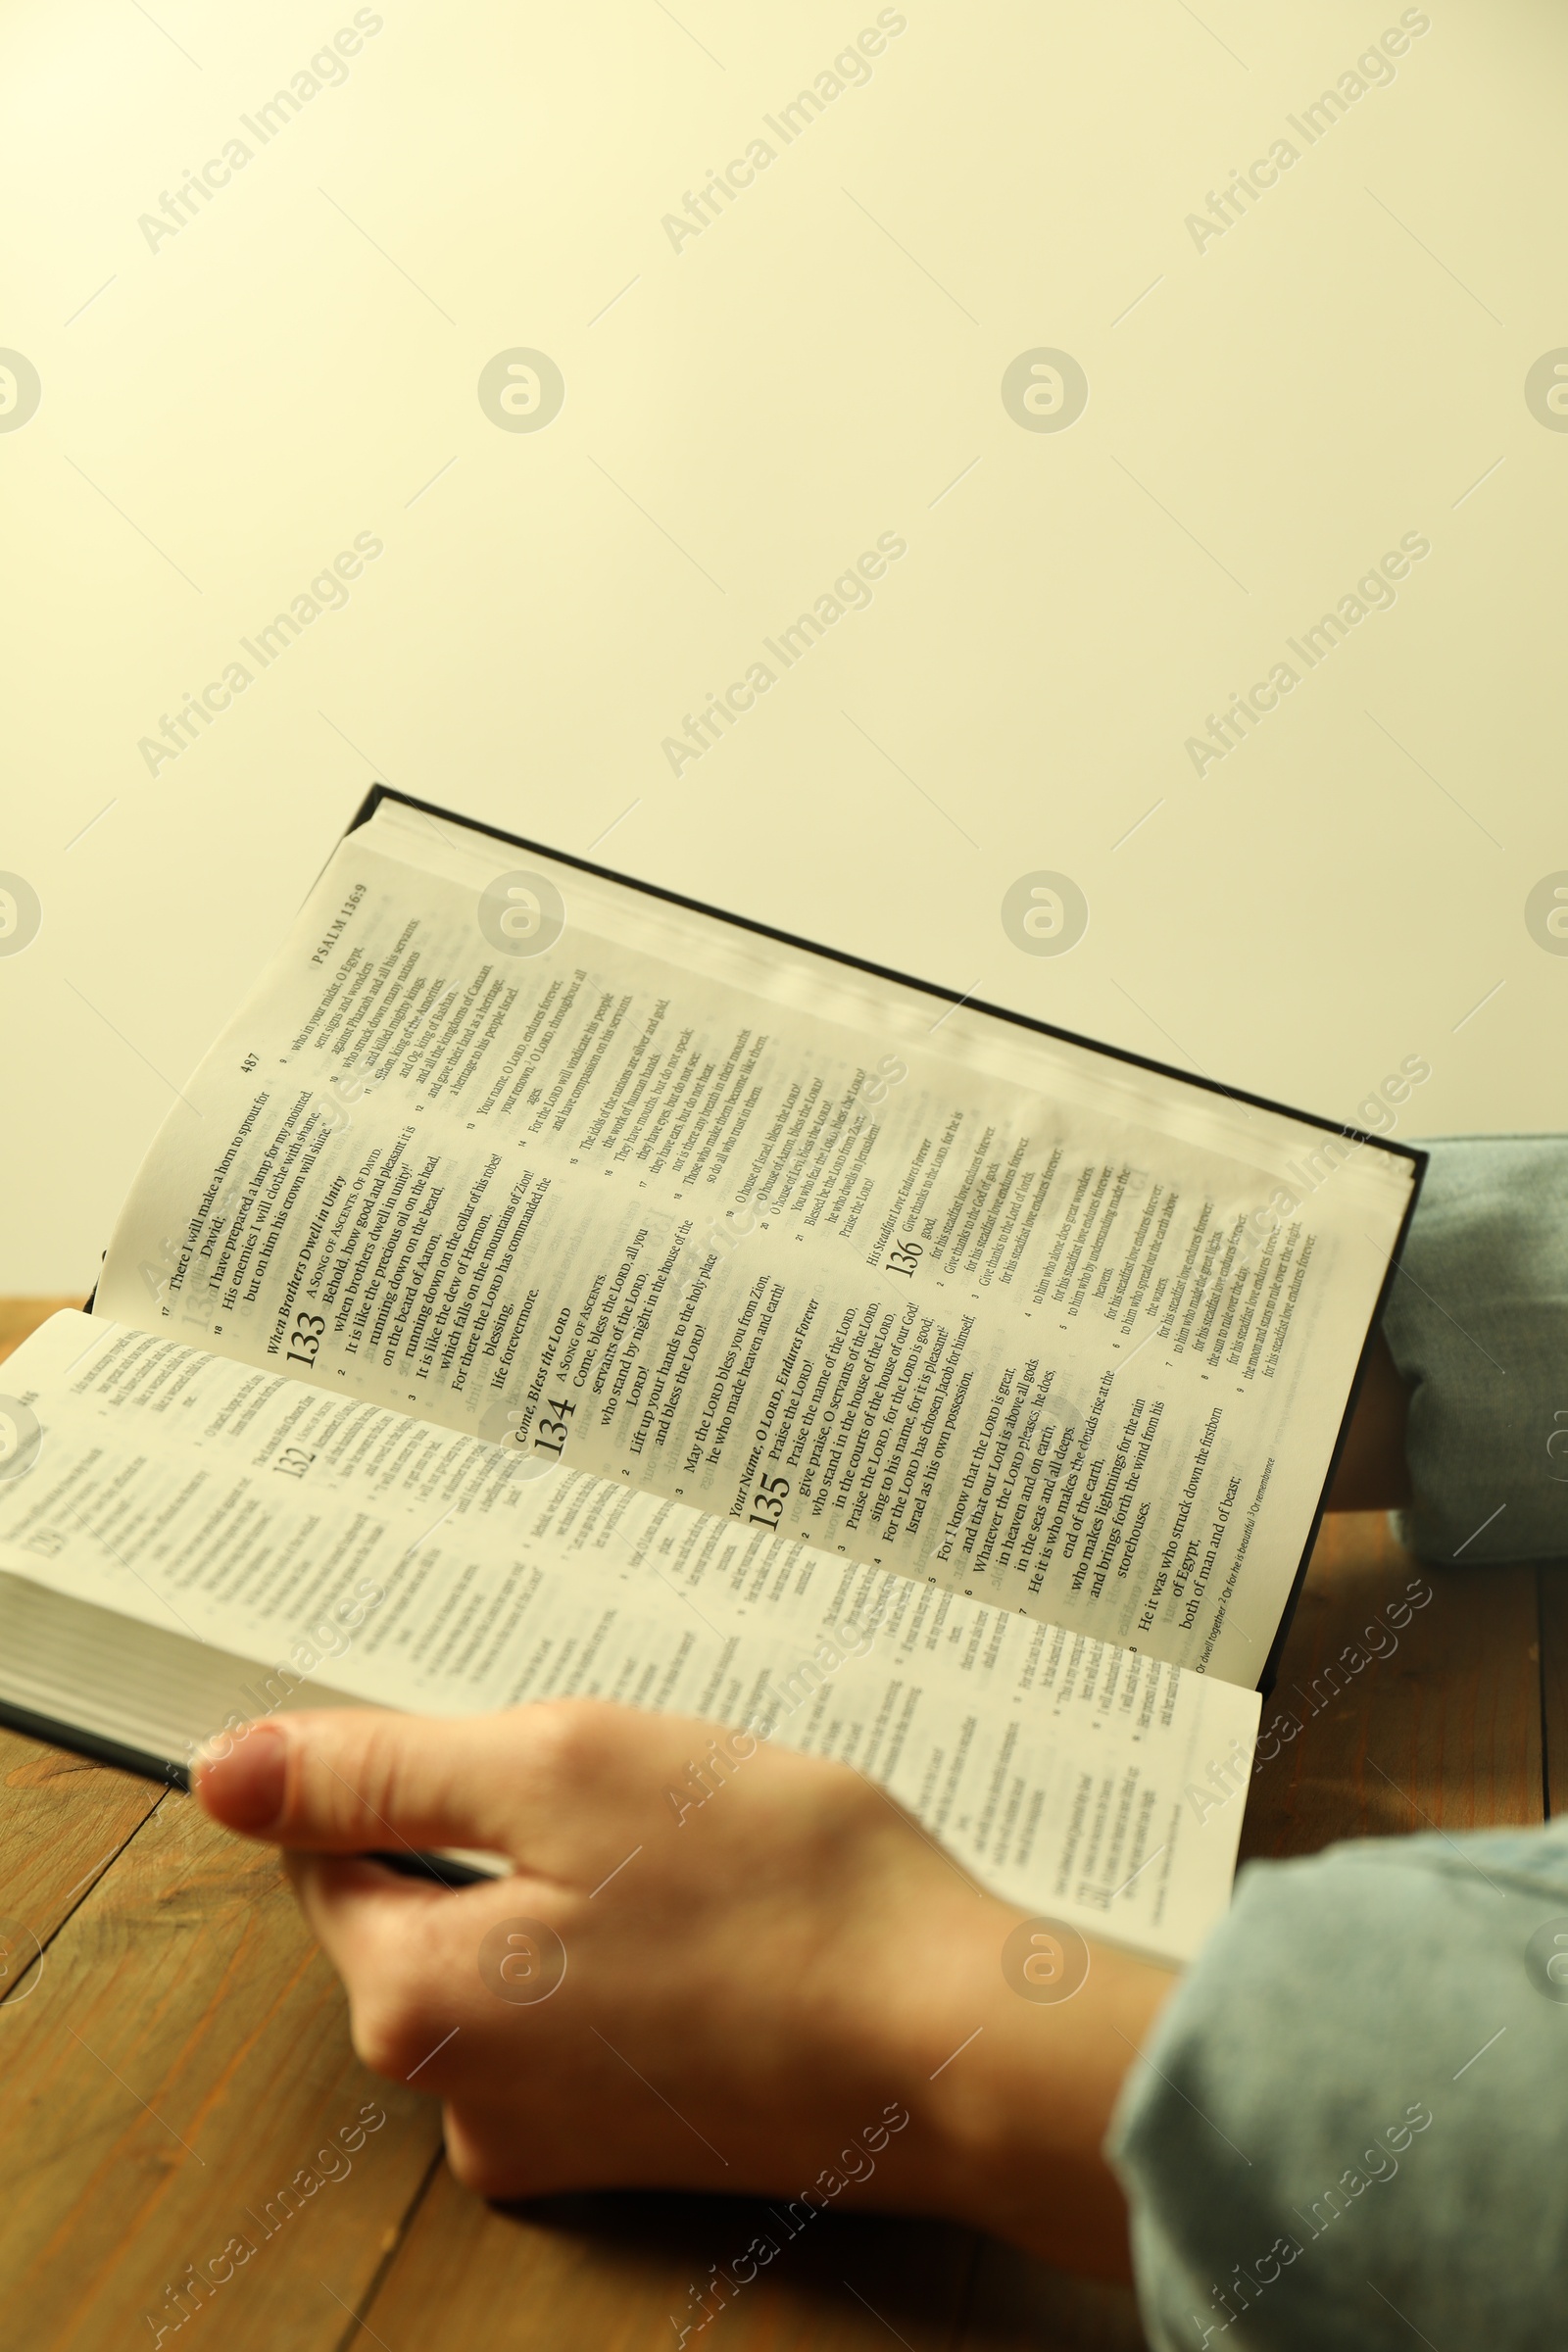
1478,1319
1348,2127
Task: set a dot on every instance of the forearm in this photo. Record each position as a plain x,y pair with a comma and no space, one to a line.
1347,2105
1011,2098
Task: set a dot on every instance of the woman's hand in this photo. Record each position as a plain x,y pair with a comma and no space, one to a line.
782,1986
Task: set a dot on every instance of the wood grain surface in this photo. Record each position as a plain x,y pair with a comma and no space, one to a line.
176,2079
1408,1697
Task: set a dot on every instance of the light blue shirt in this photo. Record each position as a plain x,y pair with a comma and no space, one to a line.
1350,2128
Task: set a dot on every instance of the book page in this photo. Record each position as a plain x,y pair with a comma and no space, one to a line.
513,1149
416,1566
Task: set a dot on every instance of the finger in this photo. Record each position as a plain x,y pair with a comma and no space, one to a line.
369,1919
343,1780
408,1953
358,1912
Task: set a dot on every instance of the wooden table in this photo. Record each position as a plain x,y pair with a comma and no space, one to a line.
182,2049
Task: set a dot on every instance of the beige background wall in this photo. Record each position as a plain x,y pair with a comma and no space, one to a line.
224,407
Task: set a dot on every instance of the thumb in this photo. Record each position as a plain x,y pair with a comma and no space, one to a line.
343,1780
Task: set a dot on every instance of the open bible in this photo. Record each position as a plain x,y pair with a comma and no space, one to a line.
547,1286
